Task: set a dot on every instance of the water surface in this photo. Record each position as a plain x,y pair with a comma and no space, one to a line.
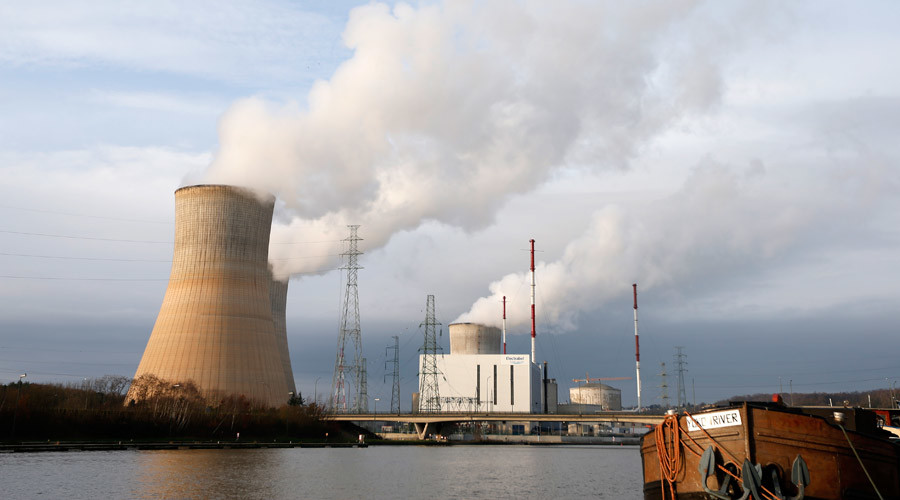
552,472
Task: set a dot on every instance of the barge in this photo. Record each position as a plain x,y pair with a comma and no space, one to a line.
770,451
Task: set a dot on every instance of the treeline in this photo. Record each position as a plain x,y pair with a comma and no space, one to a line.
880,398
95,409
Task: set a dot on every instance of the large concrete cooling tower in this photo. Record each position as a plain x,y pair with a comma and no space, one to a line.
221,324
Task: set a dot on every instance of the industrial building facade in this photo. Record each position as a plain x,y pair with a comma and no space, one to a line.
489,383
475,376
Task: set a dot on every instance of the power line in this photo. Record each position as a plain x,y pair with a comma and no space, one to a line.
148,260
82,258
304,242
85,215
762,384
69,237
54,278
93,238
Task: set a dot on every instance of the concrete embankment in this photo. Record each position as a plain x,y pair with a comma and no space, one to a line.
522,439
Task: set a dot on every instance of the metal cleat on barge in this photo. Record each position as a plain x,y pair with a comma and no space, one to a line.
770,451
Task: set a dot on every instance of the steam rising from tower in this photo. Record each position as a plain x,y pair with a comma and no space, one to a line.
388,140
222,321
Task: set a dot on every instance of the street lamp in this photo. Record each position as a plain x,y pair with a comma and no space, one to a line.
490,397
892,391
316,391
18,397
376,404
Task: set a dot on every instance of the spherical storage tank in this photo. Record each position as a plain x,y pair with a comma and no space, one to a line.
474,338
607,397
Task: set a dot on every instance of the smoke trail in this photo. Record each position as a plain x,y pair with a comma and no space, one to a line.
724,223
446,110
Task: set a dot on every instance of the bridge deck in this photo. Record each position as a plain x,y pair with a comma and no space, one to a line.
422,418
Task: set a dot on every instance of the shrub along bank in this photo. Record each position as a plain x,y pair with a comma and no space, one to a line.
96,410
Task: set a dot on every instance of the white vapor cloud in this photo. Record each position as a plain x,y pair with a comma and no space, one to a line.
446,110
724,221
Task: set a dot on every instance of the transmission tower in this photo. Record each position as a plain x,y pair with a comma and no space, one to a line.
394,373
664,386
680,369
347,365
362,403
429,394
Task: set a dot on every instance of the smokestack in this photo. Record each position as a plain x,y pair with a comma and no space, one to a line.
546,407
637,350
504,324
532,302
221,321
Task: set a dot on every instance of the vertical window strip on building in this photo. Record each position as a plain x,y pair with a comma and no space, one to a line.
494,399
512,385
478,384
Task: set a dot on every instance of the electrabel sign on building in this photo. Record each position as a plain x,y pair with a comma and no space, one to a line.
515,359
714,420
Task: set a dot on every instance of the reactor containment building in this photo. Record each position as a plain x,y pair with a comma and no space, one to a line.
476,376
222,320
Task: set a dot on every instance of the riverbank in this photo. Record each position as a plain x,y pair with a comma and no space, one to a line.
170,445
76,446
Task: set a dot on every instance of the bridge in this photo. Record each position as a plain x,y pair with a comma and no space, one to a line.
423,421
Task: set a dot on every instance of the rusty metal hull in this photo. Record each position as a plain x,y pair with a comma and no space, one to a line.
773,437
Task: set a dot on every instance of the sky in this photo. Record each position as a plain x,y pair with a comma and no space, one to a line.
737,160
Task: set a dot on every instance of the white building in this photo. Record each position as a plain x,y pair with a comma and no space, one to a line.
488,383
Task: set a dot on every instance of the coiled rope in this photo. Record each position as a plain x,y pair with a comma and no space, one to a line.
671,455
669,452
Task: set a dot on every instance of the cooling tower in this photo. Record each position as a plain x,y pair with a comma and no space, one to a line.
473,338
221,324
278,297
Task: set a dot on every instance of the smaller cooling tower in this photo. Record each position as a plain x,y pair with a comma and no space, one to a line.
473,338
278,295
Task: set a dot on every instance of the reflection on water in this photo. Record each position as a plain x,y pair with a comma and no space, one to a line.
205,473
555,472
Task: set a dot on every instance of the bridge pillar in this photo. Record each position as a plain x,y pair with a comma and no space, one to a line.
428,427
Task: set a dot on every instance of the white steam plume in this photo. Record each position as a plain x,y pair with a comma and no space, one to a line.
723,221
446,110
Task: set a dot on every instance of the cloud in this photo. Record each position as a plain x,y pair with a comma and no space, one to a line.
227,40
169,103
108,202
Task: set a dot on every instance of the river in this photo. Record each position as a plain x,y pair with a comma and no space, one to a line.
409,472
